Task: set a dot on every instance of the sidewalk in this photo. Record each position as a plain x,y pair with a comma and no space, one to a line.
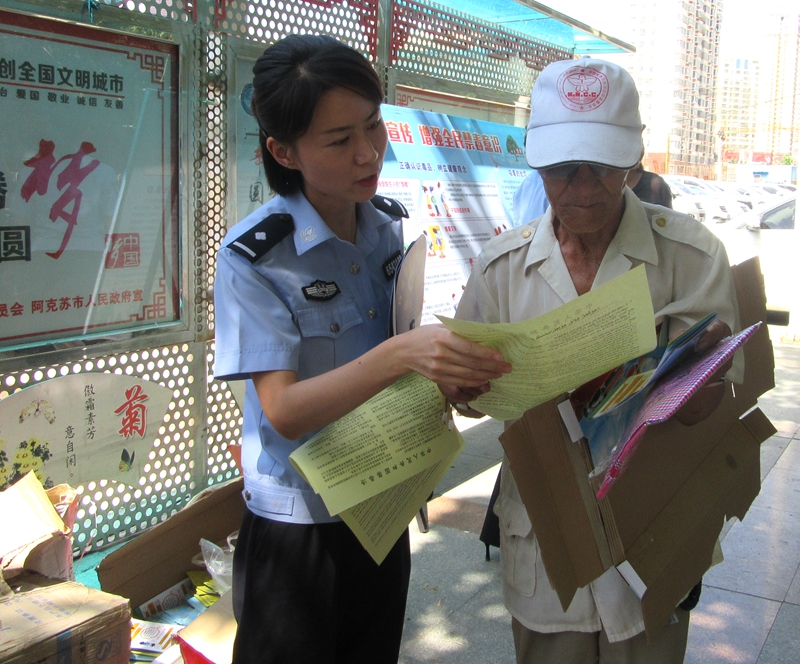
749,612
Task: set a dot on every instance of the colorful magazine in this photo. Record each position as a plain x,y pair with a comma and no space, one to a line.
644,373
665,397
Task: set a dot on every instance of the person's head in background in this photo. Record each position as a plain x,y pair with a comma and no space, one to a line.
635,174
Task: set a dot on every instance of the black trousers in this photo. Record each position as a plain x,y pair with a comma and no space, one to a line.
311,594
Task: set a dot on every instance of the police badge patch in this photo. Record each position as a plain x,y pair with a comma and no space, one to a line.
321,290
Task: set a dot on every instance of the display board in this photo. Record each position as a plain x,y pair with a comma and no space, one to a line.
88,181
457,178
82,427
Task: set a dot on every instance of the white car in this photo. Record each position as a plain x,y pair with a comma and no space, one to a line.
727,206
773,189
689,200
753,196
739,194
772,234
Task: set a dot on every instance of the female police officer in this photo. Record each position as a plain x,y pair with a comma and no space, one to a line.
302,299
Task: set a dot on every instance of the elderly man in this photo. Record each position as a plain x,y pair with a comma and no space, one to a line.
583,137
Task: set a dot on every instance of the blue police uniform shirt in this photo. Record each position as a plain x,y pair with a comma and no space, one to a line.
309,304
530,201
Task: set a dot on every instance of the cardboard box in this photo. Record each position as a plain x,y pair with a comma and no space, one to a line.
160,557
50,622
661,519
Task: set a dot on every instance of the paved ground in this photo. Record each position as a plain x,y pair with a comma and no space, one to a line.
749,612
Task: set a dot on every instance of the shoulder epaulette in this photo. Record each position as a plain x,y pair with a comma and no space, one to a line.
506,242
389,206
682,228
257,241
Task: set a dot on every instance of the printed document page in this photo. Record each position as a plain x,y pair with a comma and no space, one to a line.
559,351
379,521
390,438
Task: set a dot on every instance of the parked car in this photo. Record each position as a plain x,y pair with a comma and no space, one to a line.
694,201
729,206
747,199
772,234
773,189
754,197
688,202
761,196
778,216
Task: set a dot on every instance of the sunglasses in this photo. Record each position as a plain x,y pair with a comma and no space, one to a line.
567,170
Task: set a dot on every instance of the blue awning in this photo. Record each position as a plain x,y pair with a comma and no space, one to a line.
542,23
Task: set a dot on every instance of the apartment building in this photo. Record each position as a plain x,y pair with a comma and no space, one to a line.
778,110
738,100
675,68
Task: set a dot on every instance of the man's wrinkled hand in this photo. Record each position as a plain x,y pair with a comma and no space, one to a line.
707,398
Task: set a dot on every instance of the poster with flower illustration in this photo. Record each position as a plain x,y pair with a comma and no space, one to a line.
78,428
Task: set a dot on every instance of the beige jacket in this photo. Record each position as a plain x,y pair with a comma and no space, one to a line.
521,274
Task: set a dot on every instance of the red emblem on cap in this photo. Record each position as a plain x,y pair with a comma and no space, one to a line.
582,88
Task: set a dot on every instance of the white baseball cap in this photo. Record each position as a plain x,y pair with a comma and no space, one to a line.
584,110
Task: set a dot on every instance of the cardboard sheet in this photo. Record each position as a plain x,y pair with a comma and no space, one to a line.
664,515
211,635
159,558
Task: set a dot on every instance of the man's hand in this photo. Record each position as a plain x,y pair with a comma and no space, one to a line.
459,398
714,333
707,398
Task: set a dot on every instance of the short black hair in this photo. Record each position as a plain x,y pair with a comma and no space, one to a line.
289,79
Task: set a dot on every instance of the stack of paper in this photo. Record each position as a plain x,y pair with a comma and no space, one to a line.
376,466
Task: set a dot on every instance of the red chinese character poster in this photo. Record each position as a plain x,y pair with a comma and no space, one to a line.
88,181
81,427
